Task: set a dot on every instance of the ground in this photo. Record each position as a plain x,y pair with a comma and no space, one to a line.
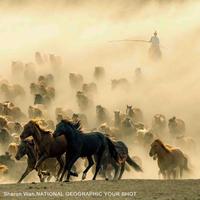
124,189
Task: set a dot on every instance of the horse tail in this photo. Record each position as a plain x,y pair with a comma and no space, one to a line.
133,164
112,149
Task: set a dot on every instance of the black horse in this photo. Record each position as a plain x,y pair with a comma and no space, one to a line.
119,167
83,145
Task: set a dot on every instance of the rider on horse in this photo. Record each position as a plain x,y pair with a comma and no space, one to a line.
154,50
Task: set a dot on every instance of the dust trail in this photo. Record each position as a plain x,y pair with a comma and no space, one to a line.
79,32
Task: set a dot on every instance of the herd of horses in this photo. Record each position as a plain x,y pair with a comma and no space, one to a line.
54,143
97,147
69,139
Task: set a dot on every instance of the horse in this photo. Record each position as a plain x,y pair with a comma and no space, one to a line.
83,145
75,80
27,147
121,83
176,127
155,53
119,167
128,127
102,115
169,159
84,102
47,146
99,72
134,113
159,124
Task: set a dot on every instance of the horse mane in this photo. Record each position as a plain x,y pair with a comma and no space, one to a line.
42,129
112,138
165,147
73,125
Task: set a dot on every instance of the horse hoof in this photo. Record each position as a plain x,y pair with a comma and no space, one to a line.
66,181
83,176
74,174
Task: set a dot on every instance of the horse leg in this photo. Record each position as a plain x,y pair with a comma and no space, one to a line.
103,171
174,174
49,178
159,174
122,170
61,163
68,160
181,172
65,167
90,163
40,160
28,170
41,177
98,164
163,174
71,162
116,167
168,174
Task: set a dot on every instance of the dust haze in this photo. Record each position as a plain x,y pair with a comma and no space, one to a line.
80,31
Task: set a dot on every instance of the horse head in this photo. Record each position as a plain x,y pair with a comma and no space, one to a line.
29,130
117,114
60,129
25,147
67,128
22,150
129,110
156,147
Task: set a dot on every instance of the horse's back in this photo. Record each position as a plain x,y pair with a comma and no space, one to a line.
95,136
177,153
58,145
175,158
91,143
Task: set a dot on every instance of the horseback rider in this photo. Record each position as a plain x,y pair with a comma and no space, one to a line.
154,50
155,42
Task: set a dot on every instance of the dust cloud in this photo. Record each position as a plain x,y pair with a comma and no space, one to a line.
80,31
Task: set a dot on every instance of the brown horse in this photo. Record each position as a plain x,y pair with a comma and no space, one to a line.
169,159
48,167
47,146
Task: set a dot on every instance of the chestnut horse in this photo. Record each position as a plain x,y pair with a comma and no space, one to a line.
169,159
47,146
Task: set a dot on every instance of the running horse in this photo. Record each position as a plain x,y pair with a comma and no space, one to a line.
119,167
47,168
83,145
169,159
46,145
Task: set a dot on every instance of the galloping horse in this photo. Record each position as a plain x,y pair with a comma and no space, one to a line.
27,147
83,145
123,157
169,159
47,146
